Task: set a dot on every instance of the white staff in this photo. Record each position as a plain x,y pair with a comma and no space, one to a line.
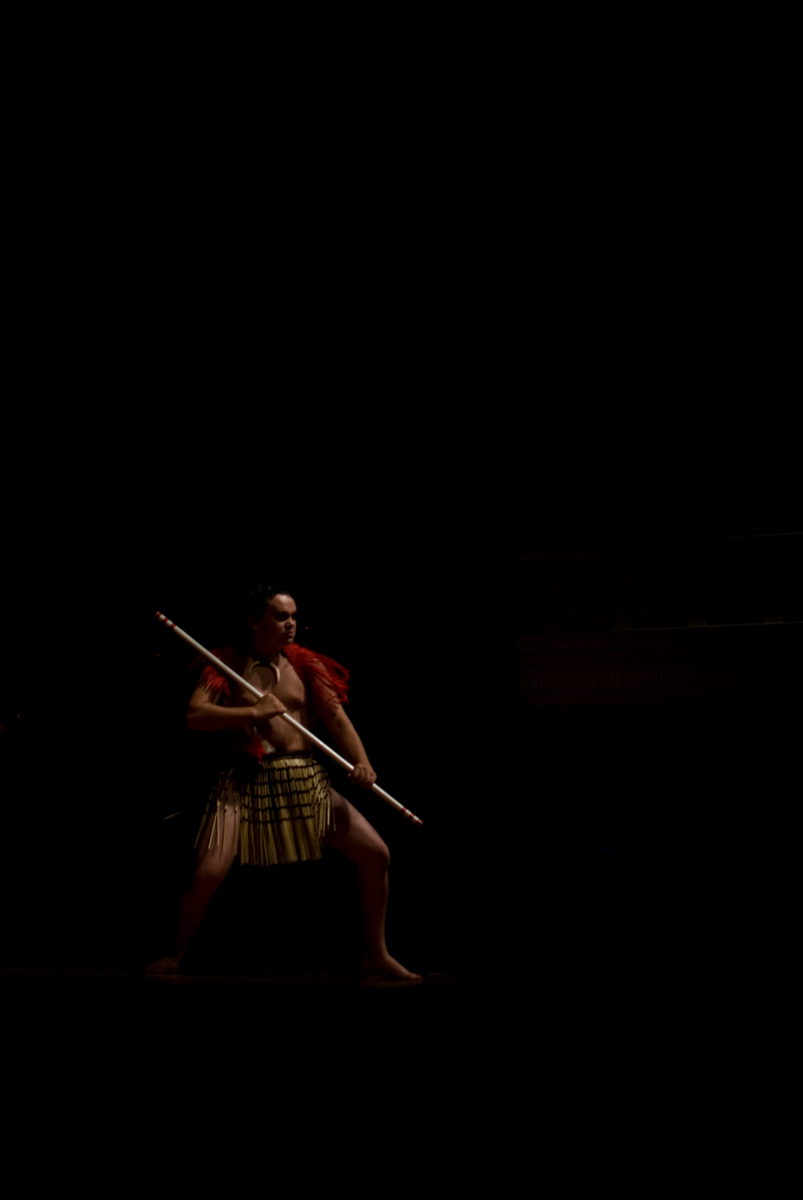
285,716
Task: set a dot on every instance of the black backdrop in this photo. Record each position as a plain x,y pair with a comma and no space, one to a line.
95,754
400,558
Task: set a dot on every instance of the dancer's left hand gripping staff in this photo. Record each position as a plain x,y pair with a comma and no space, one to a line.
255,692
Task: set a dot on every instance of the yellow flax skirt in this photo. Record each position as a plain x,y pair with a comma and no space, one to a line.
285,809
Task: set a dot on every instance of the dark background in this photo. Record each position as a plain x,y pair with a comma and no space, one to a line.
486,304
566,334
545,831
94,751
603,884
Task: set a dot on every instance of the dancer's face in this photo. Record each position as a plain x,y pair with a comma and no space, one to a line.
276,627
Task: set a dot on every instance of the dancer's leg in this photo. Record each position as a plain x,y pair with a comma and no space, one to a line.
363,846
217,849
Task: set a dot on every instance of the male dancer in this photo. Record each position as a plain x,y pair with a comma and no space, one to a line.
276,805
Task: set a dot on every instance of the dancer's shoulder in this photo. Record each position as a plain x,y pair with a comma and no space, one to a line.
210,676
328,680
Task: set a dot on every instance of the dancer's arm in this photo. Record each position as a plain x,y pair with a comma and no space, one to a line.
349,742
204,716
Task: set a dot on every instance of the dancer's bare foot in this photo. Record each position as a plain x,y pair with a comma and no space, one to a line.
383,964
163,966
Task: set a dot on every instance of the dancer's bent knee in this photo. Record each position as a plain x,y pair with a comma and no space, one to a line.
209,876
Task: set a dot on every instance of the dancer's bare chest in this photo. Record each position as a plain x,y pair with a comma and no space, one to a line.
289,689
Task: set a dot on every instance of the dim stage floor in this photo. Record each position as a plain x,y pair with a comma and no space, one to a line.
190,1056
179,1036
516,1000
43,998
76,977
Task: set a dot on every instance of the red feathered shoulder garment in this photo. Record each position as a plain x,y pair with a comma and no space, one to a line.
325,681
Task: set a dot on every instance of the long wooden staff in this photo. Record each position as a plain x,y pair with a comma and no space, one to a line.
285,716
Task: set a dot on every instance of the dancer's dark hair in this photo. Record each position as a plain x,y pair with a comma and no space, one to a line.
260,596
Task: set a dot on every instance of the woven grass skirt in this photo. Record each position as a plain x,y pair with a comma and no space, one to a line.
285,807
